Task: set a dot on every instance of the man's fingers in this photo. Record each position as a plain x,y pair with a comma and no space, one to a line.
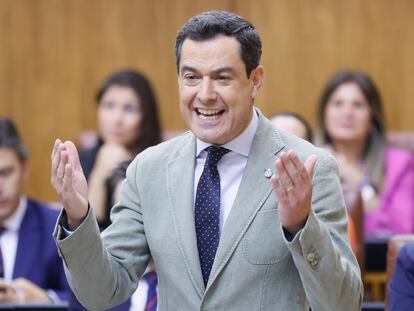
310,164
61,167
291,169
279,189
293,188
73,155
297,171
55,155
55,163
67,181
293,175
301,170
55,147
283,176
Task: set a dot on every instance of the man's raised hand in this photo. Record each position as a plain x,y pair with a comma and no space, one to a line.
69,182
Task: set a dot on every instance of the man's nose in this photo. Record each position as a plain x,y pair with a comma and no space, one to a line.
206,91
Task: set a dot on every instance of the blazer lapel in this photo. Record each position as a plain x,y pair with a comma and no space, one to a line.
28,244
180,183
253,191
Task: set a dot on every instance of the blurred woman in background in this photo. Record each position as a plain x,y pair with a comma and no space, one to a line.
351,125
127,124
296,124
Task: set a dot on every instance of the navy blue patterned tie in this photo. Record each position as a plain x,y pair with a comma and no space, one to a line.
207,210
151,278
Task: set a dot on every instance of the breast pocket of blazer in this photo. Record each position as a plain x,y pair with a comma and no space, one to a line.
263,243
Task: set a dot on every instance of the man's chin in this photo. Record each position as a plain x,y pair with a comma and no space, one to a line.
206,137
211,138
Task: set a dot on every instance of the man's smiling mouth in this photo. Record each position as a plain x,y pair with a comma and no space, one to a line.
209,113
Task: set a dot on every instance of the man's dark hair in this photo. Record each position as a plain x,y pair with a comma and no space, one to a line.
10,139
209,24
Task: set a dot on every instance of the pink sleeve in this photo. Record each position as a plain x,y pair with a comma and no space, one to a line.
399,201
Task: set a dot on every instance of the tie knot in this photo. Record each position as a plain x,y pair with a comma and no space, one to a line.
214,154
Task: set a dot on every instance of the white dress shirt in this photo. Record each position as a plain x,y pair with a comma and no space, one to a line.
10,237
230,167
139,297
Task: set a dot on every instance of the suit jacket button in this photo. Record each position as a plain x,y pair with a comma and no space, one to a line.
314,263
310,257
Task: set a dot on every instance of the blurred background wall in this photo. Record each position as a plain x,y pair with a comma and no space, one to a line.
54,54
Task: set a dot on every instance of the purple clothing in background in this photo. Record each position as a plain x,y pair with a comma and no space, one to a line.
396,211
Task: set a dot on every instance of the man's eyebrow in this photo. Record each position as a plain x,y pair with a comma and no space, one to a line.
224,69
215,71
187,68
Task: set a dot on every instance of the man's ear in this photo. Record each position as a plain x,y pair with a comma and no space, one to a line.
257,78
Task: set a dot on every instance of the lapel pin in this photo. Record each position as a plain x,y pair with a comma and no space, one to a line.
268,173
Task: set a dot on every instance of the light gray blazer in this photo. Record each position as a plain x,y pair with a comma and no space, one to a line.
256,267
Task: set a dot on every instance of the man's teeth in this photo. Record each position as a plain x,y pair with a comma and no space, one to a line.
208,112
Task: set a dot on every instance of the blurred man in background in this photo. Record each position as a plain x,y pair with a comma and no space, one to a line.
30,268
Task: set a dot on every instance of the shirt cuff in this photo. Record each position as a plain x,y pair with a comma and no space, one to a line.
66,232
290,237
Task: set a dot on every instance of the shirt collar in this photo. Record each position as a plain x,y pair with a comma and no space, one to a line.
241,144
14,221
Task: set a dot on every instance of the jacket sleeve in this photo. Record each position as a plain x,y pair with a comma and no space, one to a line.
321,251
104,271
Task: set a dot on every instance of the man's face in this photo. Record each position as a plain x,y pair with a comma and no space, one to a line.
216,96
12,175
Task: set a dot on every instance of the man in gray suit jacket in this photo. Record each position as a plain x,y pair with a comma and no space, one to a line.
276,230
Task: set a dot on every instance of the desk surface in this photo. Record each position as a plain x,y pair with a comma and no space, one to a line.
373,306
34,307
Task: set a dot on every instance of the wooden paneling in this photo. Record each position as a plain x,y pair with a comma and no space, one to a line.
54,54
306,41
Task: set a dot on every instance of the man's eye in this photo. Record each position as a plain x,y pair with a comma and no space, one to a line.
191,79
224,78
